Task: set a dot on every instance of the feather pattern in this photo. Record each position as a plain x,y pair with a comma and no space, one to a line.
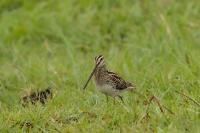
118,82
108,82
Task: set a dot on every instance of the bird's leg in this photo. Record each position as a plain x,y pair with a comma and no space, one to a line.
121,98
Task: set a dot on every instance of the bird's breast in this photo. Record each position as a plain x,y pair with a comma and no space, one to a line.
107,89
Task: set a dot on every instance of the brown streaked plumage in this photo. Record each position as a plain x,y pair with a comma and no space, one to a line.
108,82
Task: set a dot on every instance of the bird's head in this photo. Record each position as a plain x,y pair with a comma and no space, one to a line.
99,61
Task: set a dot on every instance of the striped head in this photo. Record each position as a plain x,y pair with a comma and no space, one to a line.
99,61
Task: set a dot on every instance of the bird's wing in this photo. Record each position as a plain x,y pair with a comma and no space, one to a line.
120,84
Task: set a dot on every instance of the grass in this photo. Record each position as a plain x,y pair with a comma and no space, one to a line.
154,44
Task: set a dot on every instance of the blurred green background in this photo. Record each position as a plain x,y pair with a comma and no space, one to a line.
154,44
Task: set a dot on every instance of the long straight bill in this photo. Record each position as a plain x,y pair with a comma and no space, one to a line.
90,77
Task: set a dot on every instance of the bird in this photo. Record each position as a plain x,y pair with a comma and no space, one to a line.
38,96
107,82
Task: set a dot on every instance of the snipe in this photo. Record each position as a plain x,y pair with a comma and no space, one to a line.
108,82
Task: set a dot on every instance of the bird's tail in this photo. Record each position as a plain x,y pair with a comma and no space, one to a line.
131,87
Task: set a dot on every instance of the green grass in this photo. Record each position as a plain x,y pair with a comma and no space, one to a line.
154,44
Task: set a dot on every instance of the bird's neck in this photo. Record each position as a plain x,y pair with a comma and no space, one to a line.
99,74
100,70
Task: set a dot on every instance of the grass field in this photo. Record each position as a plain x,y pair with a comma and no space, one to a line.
154,44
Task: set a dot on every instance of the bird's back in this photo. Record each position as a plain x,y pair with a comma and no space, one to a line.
103,78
